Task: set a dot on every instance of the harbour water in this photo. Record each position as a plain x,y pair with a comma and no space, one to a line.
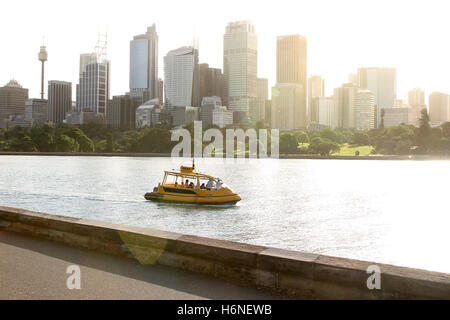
394,212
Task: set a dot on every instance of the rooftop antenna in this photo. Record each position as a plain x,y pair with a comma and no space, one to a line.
101,46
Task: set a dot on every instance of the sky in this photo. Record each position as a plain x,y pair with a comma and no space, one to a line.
343,35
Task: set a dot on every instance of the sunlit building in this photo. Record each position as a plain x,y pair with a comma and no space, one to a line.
328,115
364,109
290,111
240,58
397,116
316,89
439,107
383,83
181,77
286,101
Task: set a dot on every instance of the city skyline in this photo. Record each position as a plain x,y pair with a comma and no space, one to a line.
336,47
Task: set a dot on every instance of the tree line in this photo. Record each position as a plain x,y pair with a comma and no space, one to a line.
398,140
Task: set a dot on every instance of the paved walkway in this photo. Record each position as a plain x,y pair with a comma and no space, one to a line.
32,268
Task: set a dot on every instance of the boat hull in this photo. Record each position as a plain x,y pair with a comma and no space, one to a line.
194,198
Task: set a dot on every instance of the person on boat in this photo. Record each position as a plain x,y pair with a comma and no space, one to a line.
203,186
210,184
191,185
186,185
176,184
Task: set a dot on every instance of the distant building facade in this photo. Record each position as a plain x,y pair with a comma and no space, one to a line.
439,107
211,82
59,100
12,100
286,101
181,77
207,108
37,110
398,116
258,112
182,116
316,89
222,117
328,116
121,112
383,83
240,62
365,110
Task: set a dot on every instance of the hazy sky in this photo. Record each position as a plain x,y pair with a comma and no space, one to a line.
411,35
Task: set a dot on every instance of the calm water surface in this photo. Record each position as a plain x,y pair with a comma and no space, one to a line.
393,212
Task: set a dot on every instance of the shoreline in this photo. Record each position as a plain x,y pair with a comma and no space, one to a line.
282,156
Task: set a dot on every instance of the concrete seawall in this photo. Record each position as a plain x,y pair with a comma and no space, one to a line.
289,273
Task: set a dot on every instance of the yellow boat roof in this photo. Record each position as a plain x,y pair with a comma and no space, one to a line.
189,172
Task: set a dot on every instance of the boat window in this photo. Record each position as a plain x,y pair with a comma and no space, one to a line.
171,179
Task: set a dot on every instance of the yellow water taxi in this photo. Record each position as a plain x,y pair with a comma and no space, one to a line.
188,186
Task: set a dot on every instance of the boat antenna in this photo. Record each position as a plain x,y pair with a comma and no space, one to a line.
193,163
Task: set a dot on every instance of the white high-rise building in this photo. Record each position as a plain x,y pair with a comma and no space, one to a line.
144,63
364,108
240,60
181,77
94,85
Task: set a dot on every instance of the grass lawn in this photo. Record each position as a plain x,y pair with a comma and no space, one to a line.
348,150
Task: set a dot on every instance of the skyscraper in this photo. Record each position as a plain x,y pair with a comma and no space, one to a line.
59,100
240,61
291,80
144,63
93,88
316,89
383,83
181,77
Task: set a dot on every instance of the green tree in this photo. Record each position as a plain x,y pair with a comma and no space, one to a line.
288,142
66,144
323,146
